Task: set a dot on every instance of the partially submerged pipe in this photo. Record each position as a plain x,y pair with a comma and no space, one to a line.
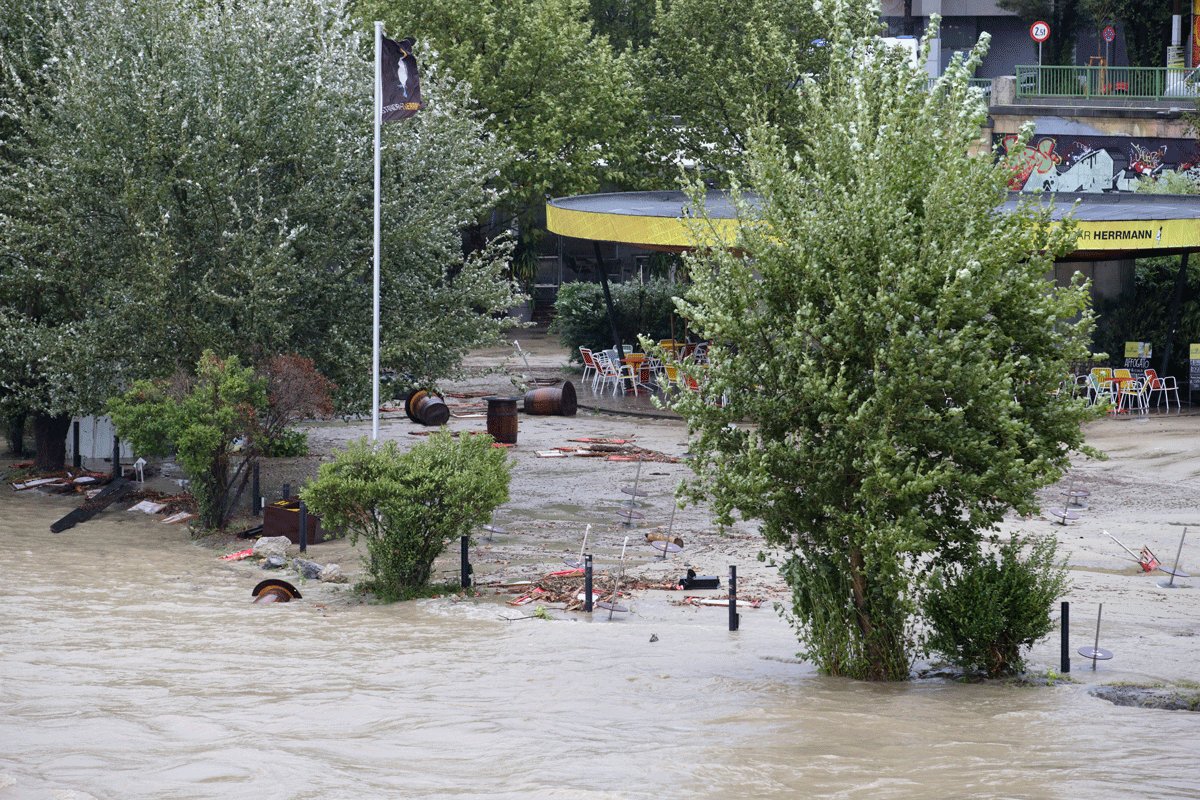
273,590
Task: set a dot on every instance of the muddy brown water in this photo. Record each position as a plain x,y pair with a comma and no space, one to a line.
132,665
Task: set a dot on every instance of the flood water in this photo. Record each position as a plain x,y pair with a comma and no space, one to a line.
132,665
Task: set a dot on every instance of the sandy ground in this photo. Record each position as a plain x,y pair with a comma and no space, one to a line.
1145,493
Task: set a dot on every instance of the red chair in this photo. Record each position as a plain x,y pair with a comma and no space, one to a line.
589,363
1165,386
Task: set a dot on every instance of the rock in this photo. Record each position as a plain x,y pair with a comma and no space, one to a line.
309,570
271,546
274,562
331,573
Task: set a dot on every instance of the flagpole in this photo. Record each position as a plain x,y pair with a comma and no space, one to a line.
375,292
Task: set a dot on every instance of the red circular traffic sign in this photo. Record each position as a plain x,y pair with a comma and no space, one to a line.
1110,34
1039,31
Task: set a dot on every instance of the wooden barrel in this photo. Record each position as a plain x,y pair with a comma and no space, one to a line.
502,419
552,401
426,408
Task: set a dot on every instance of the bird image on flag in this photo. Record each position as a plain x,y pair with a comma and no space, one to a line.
401,86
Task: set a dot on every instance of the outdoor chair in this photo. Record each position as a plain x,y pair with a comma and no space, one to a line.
1101,390
613,373
1132,396
589,364
1164,386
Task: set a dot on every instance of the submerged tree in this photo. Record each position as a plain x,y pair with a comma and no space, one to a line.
894,343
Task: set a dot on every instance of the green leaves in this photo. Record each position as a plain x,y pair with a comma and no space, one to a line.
892,341
407,506
209,422
984,612
187,175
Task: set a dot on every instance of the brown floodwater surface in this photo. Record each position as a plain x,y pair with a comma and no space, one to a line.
133,665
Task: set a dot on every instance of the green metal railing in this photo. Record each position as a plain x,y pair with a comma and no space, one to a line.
983,83
1135,83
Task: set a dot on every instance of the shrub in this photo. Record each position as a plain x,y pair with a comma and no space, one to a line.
581,318
983,613
407,506
210,421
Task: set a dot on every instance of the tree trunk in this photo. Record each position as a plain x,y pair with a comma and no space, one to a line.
50,436
16,434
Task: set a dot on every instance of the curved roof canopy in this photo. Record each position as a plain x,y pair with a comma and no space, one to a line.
1111,226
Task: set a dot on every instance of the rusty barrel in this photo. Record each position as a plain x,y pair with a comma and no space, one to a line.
502,419
556,401
426,408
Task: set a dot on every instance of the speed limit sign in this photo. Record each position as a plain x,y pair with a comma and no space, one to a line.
1039,31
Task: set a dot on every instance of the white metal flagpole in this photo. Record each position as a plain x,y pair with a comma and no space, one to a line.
375,292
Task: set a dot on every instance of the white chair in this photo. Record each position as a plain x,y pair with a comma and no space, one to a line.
610,373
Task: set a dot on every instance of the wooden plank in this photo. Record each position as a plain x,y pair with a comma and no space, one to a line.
117,490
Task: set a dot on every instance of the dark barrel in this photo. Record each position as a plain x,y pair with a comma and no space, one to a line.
552,401
502,419
426,408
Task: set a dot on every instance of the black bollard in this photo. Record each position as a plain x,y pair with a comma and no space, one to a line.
1065,649
303,527
466,563
116,470
256,504
733,614
587,583
286,491
77,459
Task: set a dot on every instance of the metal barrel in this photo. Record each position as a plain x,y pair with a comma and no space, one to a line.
556,401
502,419
426,408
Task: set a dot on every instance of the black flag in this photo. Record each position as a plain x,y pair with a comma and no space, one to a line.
401,86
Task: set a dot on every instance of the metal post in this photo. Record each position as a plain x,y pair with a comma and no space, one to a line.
256,487
375,270
1065,639
733,614
116,465
587,583
77,459
286,491
1096,646
466,563
303,527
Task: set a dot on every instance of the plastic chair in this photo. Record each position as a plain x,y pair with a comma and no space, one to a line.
589,363
612,373
1133,396
1165,386
1100,390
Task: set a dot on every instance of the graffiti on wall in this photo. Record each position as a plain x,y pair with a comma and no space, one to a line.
1095,163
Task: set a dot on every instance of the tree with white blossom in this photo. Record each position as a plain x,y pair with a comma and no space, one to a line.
184,175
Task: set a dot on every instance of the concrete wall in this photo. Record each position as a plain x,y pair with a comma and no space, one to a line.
1110,279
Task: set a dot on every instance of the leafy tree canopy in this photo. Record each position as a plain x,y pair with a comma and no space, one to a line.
893,343
716,69
189,175
555,92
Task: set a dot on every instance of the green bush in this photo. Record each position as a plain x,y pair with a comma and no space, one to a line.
581,318
407,506
209,421
984,612
287,444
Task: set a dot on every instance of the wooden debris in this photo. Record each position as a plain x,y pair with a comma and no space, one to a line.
119,489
